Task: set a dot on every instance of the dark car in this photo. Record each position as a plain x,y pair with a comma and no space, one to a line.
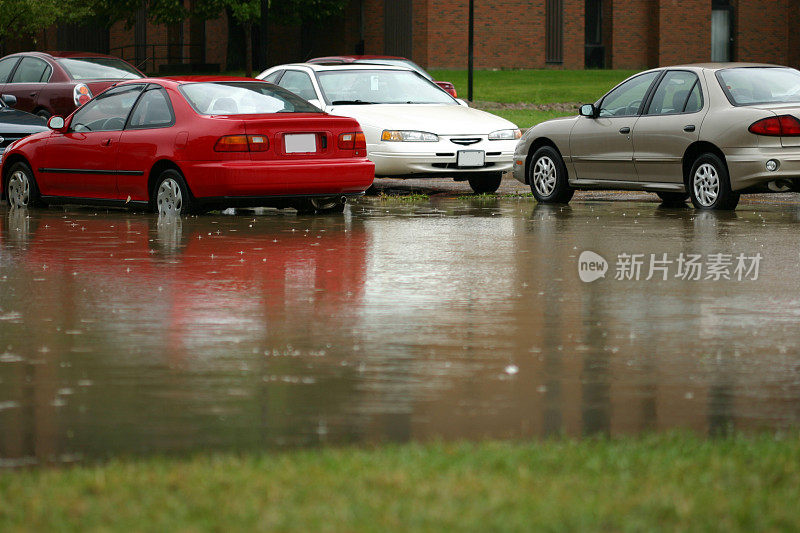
15,124
55,83
385,60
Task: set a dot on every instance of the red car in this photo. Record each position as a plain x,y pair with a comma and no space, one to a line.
385,60
192,144
55,83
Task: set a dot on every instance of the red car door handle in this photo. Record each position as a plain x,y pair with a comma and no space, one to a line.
107,142
34,94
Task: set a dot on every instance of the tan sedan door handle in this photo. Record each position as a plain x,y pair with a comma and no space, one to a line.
626,130
689,128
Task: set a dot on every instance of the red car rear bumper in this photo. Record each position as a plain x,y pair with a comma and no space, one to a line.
231,179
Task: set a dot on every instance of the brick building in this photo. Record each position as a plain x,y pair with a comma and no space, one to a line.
568,34
594,33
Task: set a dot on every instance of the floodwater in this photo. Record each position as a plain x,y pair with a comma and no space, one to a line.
448,318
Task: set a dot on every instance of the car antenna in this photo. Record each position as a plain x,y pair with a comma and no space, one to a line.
139,66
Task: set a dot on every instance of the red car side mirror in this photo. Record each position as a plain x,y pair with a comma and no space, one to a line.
57,123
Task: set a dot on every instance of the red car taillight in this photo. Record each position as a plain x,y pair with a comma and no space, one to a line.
242,143
257,143
780,126
448,87
353,141
81,94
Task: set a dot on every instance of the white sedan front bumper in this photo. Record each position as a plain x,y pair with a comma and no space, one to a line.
439,158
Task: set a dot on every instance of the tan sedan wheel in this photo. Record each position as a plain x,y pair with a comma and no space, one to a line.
547,176
709,184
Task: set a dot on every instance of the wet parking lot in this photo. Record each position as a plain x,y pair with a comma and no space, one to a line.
411,318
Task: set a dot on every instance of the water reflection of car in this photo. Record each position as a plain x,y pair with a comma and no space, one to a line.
55,83
15,124
205,270
192,144
384,60
413,128
709,132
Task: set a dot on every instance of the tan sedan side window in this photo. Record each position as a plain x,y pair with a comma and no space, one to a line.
626,99
695,101
679,92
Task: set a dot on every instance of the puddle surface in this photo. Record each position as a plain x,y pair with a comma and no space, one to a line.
452,319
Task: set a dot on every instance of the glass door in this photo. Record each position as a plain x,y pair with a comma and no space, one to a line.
721,32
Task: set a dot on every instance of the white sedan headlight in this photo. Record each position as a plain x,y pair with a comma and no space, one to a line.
409,136
505,135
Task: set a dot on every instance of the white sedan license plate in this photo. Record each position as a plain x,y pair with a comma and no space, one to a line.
471,158
300,143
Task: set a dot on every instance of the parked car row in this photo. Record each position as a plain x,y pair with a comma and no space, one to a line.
310,135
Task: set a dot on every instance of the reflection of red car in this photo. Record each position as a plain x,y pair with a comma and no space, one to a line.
179,145
385,60
55,83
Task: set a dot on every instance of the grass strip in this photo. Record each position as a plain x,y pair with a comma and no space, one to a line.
671,481
535,86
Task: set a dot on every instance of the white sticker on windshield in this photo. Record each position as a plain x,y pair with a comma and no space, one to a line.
373,83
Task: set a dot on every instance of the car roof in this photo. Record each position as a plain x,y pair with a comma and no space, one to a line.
349,66
66,54
174,81
205,78
355,58
719,65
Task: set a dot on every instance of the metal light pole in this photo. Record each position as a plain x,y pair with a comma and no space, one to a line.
470,48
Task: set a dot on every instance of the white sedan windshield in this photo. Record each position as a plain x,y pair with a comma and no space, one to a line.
749,85
343,87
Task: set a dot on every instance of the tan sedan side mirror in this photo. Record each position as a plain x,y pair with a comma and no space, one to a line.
588,110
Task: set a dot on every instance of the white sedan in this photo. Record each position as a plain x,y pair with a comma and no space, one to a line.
413,128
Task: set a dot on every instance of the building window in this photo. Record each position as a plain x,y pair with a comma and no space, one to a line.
554,31
721,30
595,52
398,28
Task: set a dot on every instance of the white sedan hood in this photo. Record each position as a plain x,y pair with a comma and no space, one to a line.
433,118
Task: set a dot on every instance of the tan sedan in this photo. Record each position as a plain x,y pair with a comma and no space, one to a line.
709,132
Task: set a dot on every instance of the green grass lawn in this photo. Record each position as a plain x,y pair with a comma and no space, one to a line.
535,86
525,118
656,482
